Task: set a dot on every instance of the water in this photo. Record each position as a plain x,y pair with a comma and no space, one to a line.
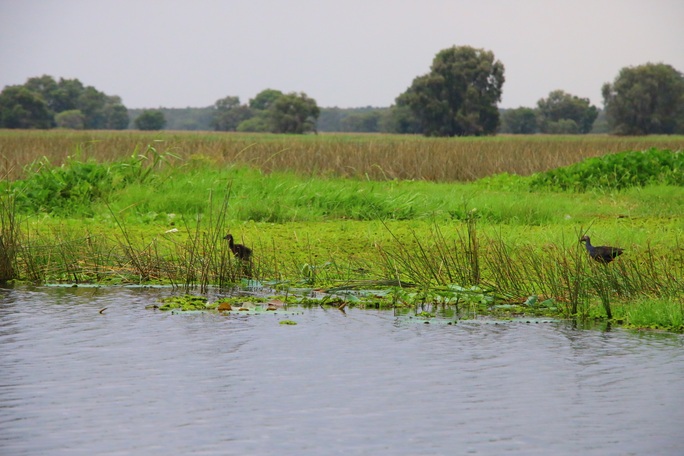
133,381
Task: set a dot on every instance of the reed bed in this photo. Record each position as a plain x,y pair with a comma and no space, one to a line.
560,273
371,156
466,259
9,232
189,259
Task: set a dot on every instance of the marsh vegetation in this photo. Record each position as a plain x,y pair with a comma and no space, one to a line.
490,225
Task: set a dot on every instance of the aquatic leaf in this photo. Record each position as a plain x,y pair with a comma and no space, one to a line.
186,303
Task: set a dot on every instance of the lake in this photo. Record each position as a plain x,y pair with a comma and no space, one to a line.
136,381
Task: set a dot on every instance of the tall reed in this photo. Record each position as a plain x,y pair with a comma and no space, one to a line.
562,273
377,157
8,237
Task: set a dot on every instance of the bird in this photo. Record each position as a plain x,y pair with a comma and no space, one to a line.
240,251
602,254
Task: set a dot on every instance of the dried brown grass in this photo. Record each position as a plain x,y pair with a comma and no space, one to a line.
376,157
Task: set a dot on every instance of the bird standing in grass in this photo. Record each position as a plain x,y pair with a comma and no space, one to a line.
240,251
602,254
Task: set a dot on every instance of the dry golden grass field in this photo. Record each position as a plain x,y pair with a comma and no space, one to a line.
370,156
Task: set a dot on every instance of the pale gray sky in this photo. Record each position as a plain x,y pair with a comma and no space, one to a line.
345,53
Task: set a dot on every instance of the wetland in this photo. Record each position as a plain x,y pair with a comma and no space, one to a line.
404,295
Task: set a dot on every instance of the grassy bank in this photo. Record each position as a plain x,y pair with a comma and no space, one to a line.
501,244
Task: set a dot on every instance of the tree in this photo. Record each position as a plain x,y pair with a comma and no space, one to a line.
647,99
71,94
293,113
260,123
519,121
562,127
23,108
401,119
270,111
91,102
72,119
565,113
150,119
259,119
459,95
97,110
66,96
116,115
228,113
47,88
264,99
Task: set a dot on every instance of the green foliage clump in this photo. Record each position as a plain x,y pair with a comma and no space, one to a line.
562,113
616,172
62,190
71,189
270,111
150,119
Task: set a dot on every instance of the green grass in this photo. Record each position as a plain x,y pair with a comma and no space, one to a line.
282,197
653,313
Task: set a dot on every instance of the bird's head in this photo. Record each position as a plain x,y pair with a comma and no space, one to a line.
584,238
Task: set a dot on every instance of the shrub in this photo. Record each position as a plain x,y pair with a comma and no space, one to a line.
72,188
616,172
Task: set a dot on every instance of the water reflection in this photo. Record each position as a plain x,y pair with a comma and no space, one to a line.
137,381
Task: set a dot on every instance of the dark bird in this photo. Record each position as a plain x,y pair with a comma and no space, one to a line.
240,251
603,253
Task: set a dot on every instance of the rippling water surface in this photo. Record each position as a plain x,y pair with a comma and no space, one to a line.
133,381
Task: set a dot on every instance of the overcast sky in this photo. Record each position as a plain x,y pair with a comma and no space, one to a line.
346,53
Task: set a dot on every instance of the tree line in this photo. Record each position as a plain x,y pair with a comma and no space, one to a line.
458,96
43,103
